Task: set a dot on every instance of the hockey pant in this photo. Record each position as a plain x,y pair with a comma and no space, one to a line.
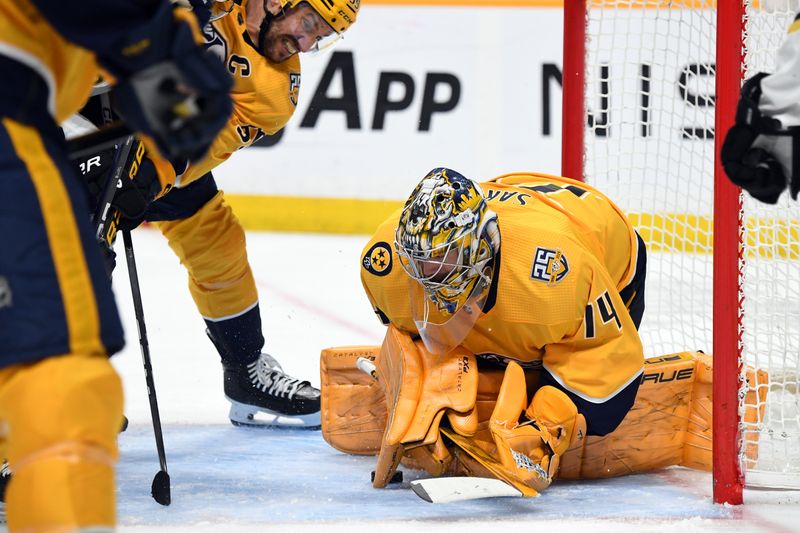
205,234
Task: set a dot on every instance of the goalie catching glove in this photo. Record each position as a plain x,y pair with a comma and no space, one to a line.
531,440
758,152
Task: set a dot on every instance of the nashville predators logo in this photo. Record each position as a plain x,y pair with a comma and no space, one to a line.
294,87
378,260
549,266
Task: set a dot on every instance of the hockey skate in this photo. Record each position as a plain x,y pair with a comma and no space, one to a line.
5,477
262,395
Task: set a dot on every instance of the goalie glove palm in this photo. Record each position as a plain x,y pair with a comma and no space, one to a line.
531,449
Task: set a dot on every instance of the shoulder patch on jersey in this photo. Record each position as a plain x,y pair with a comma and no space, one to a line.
214,42
294,87
549,266
378,260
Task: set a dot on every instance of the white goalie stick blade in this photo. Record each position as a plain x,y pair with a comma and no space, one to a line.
455,489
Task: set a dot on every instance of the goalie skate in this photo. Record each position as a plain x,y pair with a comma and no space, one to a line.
262,395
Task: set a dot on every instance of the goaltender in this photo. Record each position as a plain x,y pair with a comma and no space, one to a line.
524,271
512,347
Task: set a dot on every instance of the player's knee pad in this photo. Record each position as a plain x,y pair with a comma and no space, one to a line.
63,414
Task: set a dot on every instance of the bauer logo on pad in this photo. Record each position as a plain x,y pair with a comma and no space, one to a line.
549,266
378,260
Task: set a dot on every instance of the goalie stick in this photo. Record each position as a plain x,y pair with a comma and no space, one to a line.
456,489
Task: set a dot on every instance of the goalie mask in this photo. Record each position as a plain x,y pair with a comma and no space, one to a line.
446,242
339,15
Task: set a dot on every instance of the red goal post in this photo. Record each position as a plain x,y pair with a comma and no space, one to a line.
646,86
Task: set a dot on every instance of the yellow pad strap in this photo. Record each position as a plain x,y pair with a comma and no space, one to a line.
464,423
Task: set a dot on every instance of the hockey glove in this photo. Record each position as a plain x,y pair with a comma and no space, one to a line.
137,187
530,441
170,88
758,152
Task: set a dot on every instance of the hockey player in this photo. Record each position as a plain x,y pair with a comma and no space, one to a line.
760,151
60,399
259,43
526,271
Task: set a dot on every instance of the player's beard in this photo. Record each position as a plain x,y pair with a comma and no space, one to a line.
272,44
279,48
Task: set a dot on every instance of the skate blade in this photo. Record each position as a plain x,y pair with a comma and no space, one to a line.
248,416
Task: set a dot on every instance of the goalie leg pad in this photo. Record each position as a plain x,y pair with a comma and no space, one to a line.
353,406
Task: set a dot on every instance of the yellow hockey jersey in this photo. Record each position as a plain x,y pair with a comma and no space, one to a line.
566,252
211,242
264,93
69,70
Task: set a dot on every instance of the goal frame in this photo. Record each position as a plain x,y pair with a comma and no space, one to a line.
728,477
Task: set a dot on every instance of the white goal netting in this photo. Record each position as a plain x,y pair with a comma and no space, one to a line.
650,94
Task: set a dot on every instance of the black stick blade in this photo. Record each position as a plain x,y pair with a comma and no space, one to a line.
160,489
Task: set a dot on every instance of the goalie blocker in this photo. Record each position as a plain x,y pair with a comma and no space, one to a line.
670,423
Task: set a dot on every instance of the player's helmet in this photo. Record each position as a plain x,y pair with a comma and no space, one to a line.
446,240
339,14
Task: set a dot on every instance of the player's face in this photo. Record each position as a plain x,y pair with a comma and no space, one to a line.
299,30
437,270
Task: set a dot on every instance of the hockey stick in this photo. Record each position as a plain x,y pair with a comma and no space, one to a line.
455,489
105,220
161,483
114,134
160,488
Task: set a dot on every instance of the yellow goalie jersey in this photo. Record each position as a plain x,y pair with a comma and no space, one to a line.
264,93
566,253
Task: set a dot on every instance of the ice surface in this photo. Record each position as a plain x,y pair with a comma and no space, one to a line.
236,479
